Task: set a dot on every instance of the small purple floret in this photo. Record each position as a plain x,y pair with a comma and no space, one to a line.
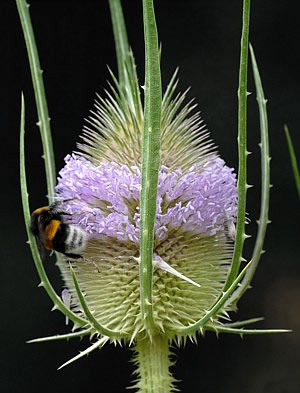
105,198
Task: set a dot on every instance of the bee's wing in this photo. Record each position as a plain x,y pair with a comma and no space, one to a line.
36,228
41,248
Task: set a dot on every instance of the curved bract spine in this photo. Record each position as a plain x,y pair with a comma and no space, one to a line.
59,337
58,303
213,312
94,323
265,184
241,331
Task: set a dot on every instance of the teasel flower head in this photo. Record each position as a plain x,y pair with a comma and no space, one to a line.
196,204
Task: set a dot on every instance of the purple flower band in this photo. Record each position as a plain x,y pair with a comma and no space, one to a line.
104,199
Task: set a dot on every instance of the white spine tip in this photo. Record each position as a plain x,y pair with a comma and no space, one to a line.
41,284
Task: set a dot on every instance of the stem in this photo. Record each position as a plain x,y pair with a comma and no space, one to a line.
150,160
120,36
40,97
127,76
153,360
242,149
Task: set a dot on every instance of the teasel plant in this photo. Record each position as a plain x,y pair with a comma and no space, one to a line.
165,216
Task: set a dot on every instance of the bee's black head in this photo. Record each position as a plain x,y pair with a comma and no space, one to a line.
40,218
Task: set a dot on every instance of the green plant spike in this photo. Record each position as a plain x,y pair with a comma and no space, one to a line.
243,323
40,97
245,331
150,160
293,159
58,304
97,344
189,330
265,184
94,323
67,336
242,149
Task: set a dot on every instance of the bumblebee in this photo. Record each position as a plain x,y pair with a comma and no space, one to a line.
52,233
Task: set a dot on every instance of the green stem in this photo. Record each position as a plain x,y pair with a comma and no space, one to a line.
150,159
242,148
127,79
120,36
40,97
153,360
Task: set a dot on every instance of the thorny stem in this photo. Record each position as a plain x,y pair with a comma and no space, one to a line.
153,360
242,148
40,97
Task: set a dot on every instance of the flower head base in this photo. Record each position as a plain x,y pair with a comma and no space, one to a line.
196,200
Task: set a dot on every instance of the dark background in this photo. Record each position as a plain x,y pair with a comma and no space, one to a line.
201,37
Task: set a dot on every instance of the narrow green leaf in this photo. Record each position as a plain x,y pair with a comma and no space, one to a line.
34,250
67,336
40,97
150,158
216,307
265,184
293,159
101,329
